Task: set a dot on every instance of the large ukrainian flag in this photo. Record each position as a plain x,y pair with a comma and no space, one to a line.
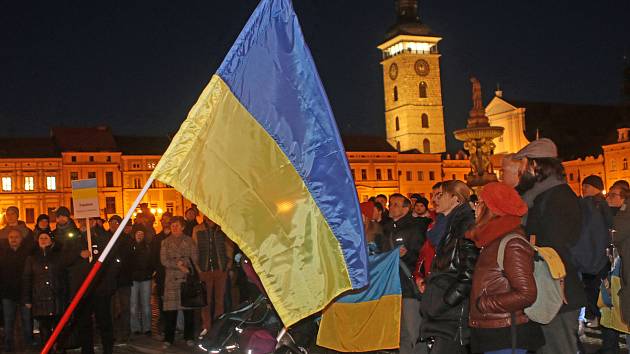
367,320
260,155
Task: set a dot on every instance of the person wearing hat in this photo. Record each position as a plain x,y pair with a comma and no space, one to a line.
555,218
43,284
500,296
594,200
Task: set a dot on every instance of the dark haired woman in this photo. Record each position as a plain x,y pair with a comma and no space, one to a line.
43,289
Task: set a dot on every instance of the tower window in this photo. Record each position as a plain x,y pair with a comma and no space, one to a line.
397,124
422,89
426,146
395,93
425,120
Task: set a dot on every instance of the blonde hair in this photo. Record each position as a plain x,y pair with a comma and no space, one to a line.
457,188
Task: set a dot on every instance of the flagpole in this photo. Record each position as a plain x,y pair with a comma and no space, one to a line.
95,268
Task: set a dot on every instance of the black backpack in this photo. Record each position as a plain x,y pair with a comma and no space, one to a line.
589,253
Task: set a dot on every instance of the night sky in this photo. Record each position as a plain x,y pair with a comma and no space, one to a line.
140,66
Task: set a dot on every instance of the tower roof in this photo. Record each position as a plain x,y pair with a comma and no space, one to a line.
407,21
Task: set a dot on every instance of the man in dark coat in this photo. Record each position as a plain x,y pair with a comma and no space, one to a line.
555,219
409,234
12,258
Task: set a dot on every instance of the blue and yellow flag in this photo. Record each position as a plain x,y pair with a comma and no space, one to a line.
260,154
370,319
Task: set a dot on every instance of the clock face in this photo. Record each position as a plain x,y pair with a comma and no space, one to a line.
393,71
422,67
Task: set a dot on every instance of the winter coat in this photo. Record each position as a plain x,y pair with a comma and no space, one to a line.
411,233
104,283
444,305
555,218
141,265
43,283
215,248
11,268
496,294
621,241
124,246
175,249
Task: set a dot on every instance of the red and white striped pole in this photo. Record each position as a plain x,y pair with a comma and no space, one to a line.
95,268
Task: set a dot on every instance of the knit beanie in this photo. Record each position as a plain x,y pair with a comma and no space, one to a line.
502,199
594,181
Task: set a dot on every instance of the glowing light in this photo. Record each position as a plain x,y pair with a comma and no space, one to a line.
153,210
285,207
421,47
134,214
160,211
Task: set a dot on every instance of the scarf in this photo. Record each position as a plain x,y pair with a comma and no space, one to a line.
498,227
530,195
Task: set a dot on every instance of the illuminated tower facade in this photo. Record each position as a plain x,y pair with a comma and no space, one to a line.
414,116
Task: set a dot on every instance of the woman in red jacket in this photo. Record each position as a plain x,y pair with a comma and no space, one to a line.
498,298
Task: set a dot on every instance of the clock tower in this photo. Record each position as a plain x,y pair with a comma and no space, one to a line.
414,117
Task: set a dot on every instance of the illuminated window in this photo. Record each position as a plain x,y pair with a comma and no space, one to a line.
6,184
110,205
29,183
425,120
426,146
30,215
51,183
363,174
151,165
378,174
395,93
423,89
397,124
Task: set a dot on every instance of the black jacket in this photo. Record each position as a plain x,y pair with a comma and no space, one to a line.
141,264
43,283
11,268
124,259
411,233
445,301
556,220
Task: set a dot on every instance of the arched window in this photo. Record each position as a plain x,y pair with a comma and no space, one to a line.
425,120
426,146
397,124
395,93
422,89
625,164
398,147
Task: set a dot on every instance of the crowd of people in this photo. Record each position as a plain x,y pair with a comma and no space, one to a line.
42,269
467,266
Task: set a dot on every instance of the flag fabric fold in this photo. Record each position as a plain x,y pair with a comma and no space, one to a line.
260,154
369,319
